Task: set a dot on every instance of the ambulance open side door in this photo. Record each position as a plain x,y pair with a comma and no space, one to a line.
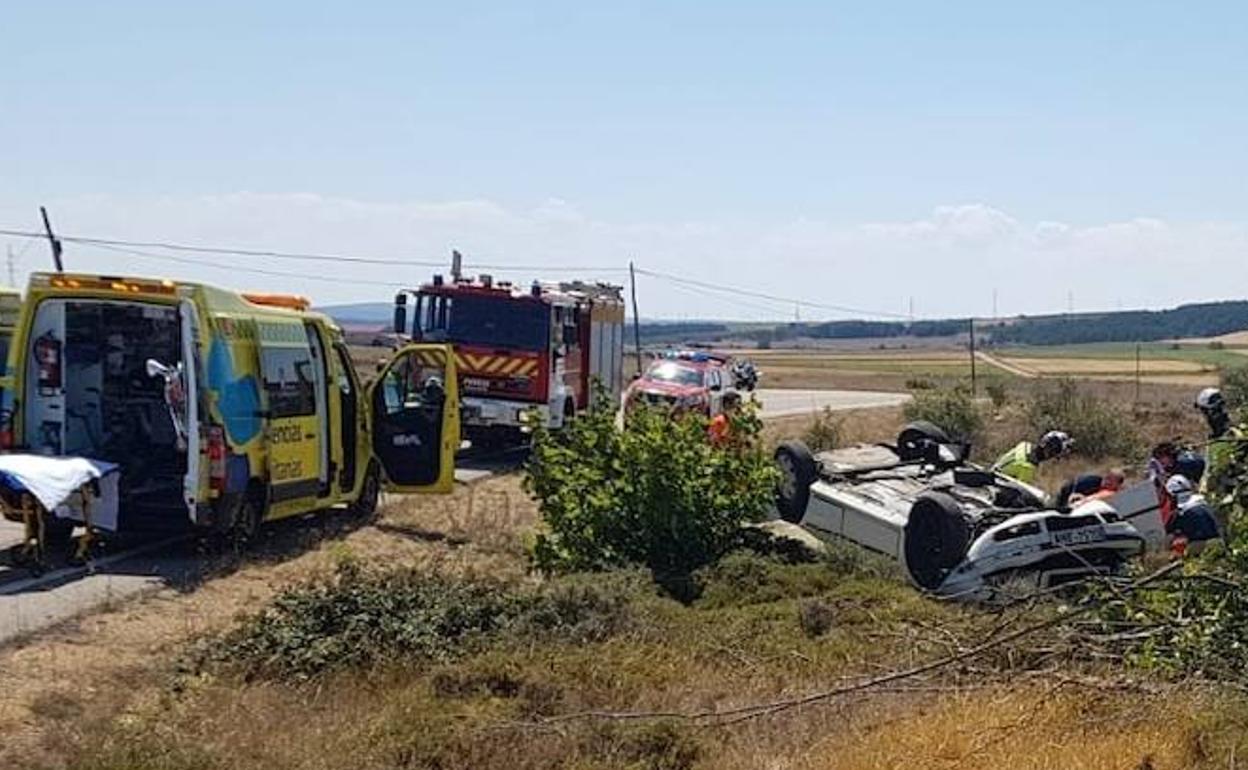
414,407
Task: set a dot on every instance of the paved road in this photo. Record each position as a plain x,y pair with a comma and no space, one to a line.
787,403
28,604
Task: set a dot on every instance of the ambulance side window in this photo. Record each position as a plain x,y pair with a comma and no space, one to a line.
289,381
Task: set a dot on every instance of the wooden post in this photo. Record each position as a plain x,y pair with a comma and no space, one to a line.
53,241
974,388
632,280
1137,374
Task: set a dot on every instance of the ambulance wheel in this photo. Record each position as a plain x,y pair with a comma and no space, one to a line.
915,437
247,522
797,473
937,536
365,506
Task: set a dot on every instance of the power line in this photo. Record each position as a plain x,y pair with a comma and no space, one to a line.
237,268
769,297
770,312
140,249
307,257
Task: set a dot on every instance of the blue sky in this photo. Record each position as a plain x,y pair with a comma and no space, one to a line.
848,153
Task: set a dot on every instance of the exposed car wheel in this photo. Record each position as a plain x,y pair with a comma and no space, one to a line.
365,506
916,437
797,473
937,534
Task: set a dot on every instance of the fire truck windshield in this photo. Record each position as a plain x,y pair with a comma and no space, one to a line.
473,320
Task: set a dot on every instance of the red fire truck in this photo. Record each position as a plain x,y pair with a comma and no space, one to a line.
520,350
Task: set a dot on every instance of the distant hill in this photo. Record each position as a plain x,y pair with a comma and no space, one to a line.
1197,320
1206,319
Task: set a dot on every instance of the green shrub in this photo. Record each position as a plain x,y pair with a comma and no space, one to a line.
653,493
952,409
1235,389
360,618
825,432
1099,428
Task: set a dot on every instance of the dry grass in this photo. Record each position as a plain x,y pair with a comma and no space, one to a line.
1078,366
105,694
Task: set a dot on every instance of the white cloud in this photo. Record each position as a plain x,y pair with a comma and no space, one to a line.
950,261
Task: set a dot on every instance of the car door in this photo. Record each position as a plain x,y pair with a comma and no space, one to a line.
414,412
292,429
715,392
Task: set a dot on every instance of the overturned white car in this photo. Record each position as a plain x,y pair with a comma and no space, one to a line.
956,528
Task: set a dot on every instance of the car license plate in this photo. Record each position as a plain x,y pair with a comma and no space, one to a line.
1079,536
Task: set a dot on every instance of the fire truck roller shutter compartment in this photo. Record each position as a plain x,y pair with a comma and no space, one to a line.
607,330
91,392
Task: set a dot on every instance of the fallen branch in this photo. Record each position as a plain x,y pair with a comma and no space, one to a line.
756,710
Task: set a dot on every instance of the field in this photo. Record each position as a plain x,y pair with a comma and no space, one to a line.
900,369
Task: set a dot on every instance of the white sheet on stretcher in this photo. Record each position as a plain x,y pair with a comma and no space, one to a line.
54,480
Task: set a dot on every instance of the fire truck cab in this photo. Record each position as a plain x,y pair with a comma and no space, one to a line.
520,351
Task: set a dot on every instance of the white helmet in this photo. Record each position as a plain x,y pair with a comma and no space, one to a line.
1056,443
1179,486
1210,399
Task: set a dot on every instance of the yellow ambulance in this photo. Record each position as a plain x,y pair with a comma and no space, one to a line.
221,410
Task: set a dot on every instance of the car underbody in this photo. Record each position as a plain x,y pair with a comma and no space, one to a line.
956,528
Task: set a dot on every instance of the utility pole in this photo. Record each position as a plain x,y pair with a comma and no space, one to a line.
995,314
53,241
632,280
971,324
1137,374
9,262
911,310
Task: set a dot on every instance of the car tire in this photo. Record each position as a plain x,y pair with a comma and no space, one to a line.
247,522
797,473
937,536
915,437
365,505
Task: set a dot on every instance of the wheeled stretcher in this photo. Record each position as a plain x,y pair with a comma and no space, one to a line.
51,494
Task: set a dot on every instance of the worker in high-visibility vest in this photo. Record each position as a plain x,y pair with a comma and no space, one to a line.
1022,461
1225,440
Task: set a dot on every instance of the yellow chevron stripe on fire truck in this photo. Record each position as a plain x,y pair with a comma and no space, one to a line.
498,365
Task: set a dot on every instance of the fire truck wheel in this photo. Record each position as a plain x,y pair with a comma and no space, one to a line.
365,506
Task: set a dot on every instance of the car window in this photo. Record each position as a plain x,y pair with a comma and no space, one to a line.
670,371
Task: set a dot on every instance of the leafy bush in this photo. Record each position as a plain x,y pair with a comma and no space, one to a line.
825,432
997,393
653,493
1235,389
1099,428
952,409
359,618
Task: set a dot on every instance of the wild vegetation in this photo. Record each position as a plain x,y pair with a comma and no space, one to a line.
654,493
776,658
